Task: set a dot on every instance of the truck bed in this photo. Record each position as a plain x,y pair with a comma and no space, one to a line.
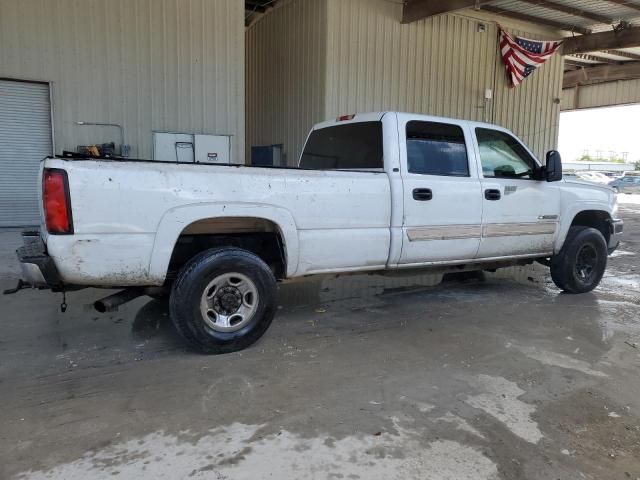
128,214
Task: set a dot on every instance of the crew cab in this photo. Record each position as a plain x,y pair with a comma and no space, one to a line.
372,192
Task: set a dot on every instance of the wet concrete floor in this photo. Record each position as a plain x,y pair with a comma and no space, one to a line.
360,377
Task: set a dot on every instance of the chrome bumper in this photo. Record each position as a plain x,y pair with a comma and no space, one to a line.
617,227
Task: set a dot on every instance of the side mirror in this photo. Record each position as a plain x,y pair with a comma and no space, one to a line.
553,171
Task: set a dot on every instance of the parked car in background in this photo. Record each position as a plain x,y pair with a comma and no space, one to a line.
584,176
595,177
626,184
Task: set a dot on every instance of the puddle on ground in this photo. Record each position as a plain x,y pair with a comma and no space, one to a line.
619,283
326,289
555,359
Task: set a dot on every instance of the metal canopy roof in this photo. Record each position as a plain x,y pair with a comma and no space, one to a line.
591,16
603,35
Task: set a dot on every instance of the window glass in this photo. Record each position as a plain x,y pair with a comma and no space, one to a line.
436,149
501,155
350,146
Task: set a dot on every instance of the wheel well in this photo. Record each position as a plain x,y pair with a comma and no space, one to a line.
257,235
597,219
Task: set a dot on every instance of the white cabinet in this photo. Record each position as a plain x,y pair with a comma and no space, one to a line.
173,147
213,148
189,148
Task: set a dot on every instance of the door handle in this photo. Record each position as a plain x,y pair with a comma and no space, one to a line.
422,194
492,194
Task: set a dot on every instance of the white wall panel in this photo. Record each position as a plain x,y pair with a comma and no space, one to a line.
440,66
165,65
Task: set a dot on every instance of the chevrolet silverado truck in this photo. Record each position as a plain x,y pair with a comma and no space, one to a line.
372,192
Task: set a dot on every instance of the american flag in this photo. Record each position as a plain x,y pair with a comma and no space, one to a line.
522,56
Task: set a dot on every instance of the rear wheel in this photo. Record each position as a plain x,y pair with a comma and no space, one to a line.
223,300
580,264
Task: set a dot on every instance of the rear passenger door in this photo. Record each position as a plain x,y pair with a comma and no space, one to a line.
441,190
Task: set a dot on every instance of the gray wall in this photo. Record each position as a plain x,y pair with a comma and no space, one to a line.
164,65
286,75
361,58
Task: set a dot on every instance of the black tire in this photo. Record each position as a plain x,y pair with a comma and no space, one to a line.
580,264
189,288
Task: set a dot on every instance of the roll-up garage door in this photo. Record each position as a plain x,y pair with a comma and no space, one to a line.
25,139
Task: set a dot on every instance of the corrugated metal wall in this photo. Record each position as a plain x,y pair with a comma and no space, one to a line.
165,65
531,110
608,94
286,65
25,139
371,62
438,66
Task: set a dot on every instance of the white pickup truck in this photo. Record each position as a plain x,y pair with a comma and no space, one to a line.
373,192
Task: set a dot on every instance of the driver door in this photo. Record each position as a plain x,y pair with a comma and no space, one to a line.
520,214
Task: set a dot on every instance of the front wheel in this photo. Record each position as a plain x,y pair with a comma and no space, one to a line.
223,300
580,264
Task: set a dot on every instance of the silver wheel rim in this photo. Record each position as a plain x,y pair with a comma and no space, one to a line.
229,302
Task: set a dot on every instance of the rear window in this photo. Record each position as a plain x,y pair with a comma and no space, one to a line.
436,149
353,146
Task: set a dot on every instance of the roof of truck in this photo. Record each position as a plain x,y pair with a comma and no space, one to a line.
377,116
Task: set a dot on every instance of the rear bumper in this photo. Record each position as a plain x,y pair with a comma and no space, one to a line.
617,227
38,268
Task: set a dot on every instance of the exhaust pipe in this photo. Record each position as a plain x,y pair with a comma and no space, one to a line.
112,302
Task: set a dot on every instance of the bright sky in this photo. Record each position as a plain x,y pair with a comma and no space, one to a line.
606,129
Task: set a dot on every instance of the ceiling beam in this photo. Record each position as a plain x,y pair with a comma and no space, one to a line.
530,18
596,58
625,38
626,3
415,10
577,61
601,74
576,12
621,53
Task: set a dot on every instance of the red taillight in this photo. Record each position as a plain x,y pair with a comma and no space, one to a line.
56,201
344,118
